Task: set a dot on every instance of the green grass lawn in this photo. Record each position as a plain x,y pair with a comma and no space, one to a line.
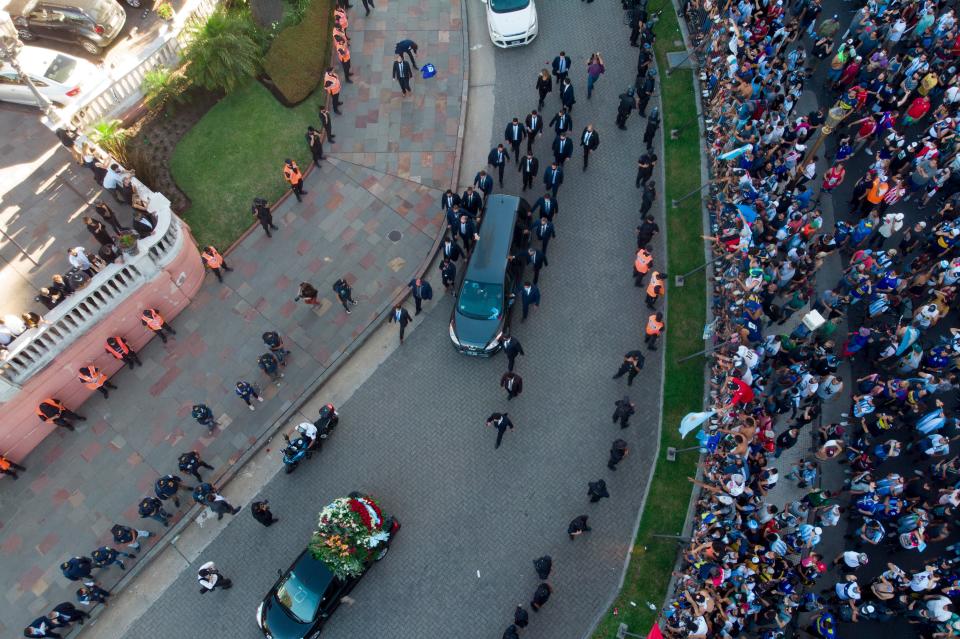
666,507
236,153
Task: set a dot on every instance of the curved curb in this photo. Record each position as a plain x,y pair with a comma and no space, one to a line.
171,533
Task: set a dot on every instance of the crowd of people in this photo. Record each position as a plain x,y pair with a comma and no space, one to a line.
875,289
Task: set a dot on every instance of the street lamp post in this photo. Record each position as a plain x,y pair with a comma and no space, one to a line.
10,46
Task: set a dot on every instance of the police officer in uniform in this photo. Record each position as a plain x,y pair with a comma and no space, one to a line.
626,106
52,411
118,347
191,463
293,176
262,212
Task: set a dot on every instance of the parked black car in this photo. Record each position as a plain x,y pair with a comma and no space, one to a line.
93,24
303,598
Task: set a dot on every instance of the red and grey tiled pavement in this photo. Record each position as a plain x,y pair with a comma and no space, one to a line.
371,216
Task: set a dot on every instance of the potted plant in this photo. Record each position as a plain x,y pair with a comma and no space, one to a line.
128,243
164,11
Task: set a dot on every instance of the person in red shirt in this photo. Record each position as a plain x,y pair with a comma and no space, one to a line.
917,110
833,178
742,393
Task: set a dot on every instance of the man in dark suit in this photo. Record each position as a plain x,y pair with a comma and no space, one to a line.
562,122
562,149
589,140
534,127
529,296
448,274
401,73
624,409
467,231
561,67
513,384
512,347
543,231
501,422
537,260
498,157
529,168
402,317
566,95
514,134
547,206
421,290
471,202
553,178
484,183
453,218
450,249
448,200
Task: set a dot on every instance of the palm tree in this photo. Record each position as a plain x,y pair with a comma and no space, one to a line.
111,137
224,51
163,86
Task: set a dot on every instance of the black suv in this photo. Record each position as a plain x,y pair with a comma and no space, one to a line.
93,24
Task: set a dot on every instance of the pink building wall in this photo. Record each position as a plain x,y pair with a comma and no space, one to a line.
20,429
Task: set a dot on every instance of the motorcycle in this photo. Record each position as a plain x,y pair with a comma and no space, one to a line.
308,438
328,420
294,452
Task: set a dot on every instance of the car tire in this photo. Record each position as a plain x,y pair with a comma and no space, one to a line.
288,468
382,553
90,47
133,3
24,34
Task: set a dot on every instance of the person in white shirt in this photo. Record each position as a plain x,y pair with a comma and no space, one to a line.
210,578
78,259
113,179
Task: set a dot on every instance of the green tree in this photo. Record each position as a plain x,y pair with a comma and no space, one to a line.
111,137
163,86
224,51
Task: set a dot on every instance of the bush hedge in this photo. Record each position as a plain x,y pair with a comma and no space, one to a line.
300,54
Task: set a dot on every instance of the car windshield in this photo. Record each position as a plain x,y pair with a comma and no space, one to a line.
301,601
481,301
60,69
504,6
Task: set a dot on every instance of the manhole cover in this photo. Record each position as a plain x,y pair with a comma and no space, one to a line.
394,236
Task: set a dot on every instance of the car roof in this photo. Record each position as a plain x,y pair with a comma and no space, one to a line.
489,259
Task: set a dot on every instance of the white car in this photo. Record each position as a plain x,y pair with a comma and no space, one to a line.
511,23
59,77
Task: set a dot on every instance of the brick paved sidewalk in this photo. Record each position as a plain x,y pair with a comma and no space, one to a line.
371,216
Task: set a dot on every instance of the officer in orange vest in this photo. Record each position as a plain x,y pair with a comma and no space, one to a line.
153,320
340,18
95,379
52,411
332,85
343,54
214,261
653,330
874,195
118,347
655,288
641,265
292,174
8,467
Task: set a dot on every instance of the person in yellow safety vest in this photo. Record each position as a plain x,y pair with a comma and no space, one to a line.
52,411
214,261
153,320
641,265
95,379
653,330
293,176
118,347
343,53
331,83
655,288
